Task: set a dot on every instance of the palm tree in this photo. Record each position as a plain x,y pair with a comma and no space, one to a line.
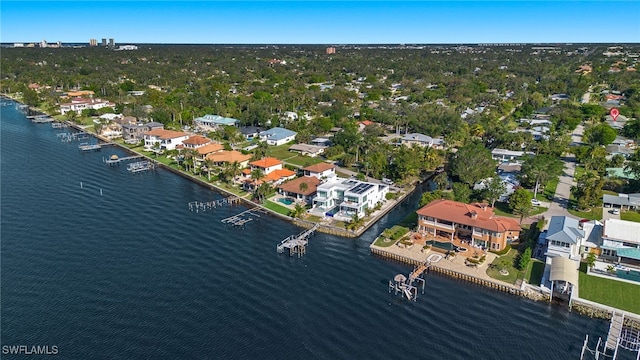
263,191
208,163
303,187
234,169
298,211
356,222
256,174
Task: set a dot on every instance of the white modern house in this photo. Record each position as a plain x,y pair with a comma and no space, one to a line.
504,155
621,241
343,198
167,139
79,104
421,140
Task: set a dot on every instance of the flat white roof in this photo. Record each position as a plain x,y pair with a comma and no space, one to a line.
622,230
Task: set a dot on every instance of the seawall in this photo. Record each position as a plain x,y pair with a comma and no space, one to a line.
299,222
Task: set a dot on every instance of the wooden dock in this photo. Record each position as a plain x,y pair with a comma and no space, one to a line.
141,166
59,125
40,119
117,161
238,219
405,286
620,336
208,205
89,147
297,244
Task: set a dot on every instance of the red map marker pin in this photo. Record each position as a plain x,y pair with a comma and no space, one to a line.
614,113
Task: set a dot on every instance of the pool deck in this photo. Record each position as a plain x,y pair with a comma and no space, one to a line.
417,253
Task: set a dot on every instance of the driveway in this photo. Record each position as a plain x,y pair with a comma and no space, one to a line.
607,215
558,206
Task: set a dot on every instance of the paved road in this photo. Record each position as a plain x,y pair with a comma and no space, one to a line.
561,198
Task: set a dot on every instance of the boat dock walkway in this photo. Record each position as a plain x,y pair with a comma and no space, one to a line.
117,161
208,205
620,336
141,166
406,286
40,119
59,125
241,218
297,244
89,147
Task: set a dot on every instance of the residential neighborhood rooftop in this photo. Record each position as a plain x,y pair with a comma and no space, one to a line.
478,215
319,167
293,186
266,162
165,134
615,229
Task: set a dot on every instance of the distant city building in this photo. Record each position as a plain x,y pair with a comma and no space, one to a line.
15,45
331,50
104,42
93,42
112,43
43,44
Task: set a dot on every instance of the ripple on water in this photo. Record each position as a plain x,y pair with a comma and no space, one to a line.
134,274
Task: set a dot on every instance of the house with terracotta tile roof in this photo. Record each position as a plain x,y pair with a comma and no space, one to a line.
293,188
320,170
476,223
168,139
196,141
267,165
204,151
226,157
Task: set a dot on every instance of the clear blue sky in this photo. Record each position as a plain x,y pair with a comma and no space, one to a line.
324,22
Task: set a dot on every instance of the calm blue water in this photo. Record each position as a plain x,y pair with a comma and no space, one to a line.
133,274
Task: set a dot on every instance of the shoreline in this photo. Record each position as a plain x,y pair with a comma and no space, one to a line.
323,228
584,307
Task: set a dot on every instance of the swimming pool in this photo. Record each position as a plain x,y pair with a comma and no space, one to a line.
286,201
632,275
441,245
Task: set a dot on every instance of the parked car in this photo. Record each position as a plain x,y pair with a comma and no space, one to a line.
535,202
615,211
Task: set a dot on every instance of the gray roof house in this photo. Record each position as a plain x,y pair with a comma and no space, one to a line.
564,237
622,201
132,133
421,140
215,121
278,136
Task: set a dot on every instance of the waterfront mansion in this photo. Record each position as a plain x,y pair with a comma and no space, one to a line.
343,198
475,223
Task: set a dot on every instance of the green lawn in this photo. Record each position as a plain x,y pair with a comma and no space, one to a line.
614,293
550,189
282,152
594,214
534,272
502,209
630,216
494,269
277,208
382,241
